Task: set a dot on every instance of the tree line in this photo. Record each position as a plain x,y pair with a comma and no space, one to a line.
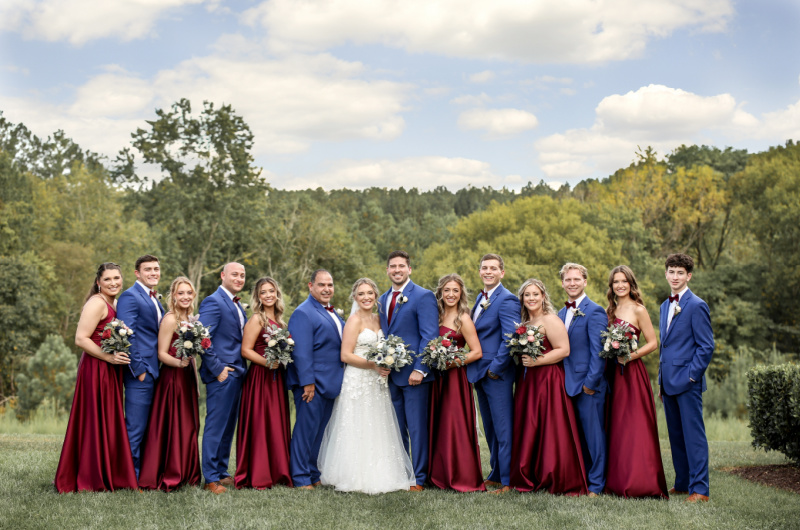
187,189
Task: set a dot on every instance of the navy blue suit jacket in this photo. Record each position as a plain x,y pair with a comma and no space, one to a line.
492,324
584,366
218,312
416,322
687,346
317,355
136,309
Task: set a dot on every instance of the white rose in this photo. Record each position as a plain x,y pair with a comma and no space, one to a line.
523,341
184,329
389,360
634,344
607,346
290,341
390,351
272,343
187,344
115,323
123,332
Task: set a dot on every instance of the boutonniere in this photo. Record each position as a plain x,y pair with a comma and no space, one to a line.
576,312
402,299
159,297
485,304
677,309
340,313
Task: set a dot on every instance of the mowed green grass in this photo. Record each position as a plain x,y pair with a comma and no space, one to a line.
28,499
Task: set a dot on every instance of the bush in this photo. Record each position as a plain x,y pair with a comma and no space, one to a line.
50,376
774,405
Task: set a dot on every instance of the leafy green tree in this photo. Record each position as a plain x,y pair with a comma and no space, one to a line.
207,203
50,375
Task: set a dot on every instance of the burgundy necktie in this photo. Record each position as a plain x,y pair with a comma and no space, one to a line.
236,300
674,298
391,306
153,294
570,304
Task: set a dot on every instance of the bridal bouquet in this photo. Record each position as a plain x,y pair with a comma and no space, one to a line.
620,341
390,352
441,352
280,345
193,338
526,340
115,337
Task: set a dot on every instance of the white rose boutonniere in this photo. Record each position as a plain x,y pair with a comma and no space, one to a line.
340,313
677,310
485,304
402,299
576,312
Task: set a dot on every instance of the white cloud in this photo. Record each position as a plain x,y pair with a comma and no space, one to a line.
497,122
79,21
482,77
423,173
579,31
473,100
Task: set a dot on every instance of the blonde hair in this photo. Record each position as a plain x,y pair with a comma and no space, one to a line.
462,308
258,307
172,302
569,266
547,305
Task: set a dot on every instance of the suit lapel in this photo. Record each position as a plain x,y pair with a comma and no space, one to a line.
325,315
682,303
148,302
663,320
232,308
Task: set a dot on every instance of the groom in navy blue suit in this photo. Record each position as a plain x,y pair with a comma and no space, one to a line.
411,313
315,376
222,370
584,371
141,311
495,313
687,344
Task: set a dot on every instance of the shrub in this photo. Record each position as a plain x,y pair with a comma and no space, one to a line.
774,405
50,376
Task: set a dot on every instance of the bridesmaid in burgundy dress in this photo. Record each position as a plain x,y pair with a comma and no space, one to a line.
96,453
262,439
634,454
455,458
546,450
170,457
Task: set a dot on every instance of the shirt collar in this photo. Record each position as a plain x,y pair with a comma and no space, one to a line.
680,294
230,294
491,291
143,286
401,288
579,300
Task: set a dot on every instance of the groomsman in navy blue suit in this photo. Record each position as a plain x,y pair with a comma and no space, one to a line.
584,371
141,311
315,376
411,313
687,343
495,313
222,370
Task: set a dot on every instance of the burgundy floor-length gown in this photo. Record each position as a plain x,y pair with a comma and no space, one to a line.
96,455
635,468
171,457
546,448
455,457
262,439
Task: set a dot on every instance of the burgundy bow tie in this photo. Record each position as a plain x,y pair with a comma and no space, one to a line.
570,304
236,299
674,298
153,294
484,294
329,308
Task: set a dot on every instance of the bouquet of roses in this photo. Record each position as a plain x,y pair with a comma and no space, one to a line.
441,352
390,352
115,337
620,341
280,345
526,340
193,338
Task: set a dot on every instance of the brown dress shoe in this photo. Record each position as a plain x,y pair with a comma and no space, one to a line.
491,483
215,487
416,488
308,487
673,491
696,497
592,495
504,489
317,484
227,481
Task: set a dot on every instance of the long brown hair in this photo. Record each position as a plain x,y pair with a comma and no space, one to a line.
258,307
462,307
547,304
172,302
635,295
95,288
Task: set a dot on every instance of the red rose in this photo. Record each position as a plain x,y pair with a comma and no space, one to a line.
629,335
205,343
446,343
106,334
522,330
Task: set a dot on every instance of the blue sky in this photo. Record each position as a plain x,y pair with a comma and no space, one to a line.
414,93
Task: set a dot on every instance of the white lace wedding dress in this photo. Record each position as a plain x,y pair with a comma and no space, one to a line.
361,449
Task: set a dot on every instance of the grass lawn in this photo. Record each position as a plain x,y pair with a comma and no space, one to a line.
28,499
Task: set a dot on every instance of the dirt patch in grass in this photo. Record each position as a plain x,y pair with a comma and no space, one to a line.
783,476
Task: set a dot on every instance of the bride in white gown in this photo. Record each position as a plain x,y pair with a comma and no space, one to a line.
362,449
